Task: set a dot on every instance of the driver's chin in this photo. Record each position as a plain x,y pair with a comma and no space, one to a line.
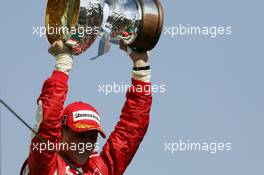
80,158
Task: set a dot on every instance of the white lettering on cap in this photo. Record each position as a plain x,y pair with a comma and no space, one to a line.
86,115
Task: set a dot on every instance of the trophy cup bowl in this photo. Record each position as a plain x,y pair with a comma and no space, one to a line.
135,23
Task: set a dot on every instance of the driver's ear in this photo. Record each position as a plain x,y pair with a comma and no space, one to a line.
65,129
95,137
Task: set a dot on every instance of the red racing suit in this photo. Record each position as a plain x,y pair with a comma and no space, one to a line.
120,147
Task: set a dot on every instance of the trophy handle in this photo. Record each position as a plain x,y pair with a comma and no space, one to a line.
104,46
151,27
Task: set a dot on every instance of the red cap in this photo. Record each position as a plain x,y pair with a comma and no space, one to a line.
82,117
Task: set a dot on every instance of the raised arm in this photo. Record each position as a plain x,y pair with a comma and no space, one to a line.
49,114
134,120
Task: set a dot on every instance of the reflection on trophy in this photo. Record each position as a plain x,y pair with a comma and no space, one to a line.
136,23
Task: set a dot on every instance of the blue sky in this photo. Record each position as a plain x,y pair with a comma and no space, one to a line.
214,87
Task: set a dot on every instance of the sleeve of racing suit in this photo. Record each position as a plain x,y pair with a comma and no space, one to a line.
124,141
41,160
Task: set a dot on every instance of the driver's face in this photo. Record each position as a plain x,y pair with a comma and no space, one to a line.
84,143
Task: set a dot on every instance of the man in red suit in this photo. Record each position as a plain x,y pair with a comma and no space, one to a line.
79,124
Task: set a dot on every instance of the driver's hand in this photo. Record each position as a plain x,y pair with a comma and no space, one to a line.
63,56
58,47
140,59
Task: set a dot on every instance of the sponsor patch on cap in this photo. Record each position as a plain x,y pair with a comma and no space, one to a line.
86,115
82,126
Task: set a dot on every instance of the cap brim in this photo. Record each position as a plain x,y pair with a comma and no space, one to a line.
99,129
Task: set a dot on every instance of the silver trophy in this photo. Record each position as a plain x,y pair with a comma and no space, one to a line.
135,23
